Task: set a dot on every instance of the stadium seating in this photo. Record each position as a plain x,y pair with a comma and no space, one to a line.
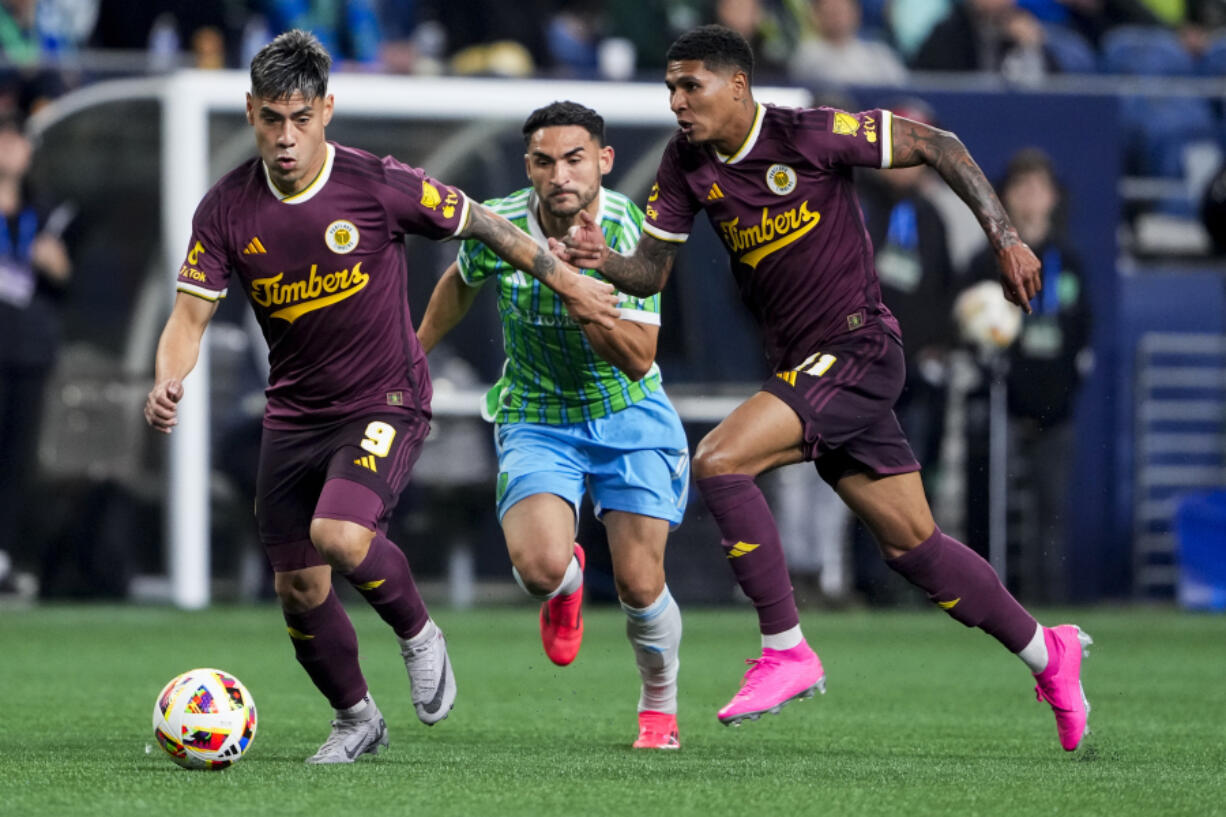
1071,52
1159,128
1213,61
1145,51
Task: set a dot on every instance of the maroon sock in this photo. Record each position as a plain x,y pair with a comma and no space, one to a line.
385,581
751,540
964,585
327,648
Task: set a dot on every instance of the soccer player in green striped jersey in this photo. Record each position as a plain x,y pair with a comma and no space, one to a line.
580,407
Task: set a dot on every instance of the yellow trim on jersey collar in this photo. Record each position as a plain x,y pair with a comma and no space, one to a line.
750,140
308,192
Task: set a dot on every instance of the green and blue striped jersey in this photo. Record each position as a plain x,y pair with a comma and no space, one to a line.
552,375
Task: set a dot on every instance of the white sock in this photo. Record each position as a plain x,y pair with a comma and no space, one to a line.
785,640
423,635
655,634
1034,654
572,580
363,710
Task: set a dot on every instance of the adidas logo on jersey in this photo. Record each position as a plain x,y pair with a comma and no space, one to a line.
367,462
714,193
254,247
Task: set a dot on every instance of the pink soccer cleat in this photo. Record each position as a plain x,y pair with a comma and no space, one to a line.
1060,683
562,622
772,680
657,730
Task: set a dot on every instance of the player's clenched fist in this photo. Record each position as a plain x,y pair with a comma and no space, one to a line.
162,405
1020,274
584,245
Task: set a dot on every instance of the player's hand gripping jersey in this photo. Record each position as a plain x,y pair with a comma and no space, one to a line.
785,208
552,375
326,274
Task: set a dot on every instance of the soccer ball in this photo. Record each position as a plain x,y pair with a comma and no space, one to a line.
204,719
986,320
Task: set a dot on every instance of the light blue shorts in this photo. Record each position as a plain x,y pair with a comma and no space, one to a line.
634,460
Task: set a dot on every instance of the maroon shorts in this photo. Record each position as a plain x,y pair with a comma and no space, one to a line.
844,395
364,463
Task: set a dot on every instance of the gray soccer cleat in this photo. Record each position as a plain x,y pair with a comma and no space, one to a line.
350,739
431,678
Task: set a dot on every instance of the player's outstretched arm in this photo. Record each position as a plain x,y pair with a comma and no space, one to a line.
449,303
642,273
586,298
916,143
178,349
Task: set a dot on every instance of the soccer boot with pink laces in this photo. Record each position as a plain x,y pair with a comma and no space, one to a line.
562,622
774,679
657,730
1060,683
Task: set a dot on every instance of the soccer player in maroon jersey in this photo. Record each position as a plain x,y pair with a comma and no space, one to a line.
314,232
776,185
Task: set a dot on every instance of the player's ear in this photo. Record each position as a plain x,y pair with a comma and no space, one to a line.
606,160
528,166
740,85
250,110
327,111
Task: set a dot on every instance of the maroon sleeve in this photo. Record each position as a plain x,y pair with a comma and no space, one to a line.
839,138
670,209
205,271
421,205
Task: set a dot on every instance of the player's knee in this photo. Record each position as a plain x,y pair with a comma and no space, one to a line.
541,574
640,589
342,544
900,535
712,460
300,591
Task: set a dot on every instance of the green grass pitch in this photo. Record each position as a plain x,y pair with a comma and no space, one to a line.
923,717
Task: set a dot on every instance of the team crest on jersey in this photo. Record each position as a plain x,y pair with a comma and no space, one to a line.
781,179
845,124
430,196
341,236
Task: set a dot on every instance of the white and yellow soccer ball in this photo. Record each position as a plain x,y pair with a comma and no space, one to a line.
204,719
985,319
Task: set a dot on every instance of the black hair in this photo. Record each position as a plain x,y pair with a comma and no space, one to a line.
564,113
293,62
716,46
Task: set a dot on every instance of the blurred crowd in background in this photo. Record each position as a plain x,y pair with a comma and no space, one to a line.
796,40
50,46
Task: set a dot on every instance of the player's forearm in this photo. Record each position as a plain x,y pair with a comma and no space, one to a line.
642,273
916,143
177,352
630,346
179,346
448,305
514,246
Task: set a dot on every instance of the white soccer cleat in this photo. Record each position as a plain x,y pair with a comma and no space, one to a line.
431,678
350,739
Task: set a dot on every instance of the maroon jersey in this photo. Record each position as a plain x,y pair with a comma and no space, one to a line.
785,208
325,271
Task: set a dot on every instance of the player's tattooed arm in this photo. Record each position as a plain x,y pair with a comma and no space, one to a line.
916,143
642,273
586,298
